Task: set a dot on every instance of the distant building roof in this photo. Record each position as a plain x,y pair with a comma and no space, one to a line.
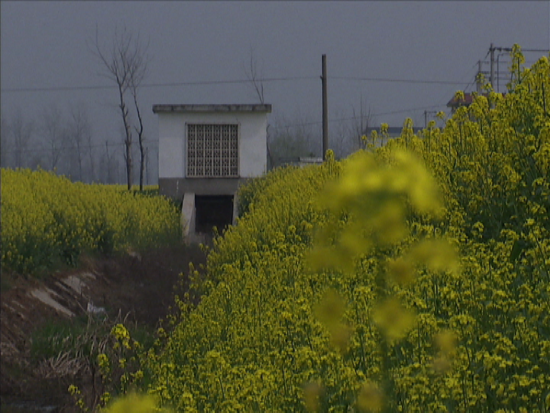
454,103
212,108
467,101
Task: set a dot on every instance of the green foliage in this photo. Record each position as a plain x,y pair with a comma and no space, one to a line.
107,351
135,403
48,221
56,337
412,279
493,157
248,193
323,299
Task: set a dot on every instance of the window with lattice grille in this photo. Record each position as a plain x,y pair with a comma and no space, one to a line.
212,150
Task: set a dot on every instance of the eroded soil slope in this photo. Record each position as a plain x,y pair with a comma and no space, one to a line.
139,287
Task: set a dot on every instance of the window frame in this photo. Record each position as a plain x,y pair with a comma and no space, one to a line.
213,124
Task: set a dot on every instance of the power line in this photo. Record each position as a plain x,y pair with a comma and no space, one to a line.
440,82
237,81
155,141
502,76
374,79
395,112
447,94
220,82
148,85
214,82
508,49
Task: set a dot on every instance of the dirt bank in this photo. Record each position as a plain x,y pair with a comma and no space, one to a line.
138,287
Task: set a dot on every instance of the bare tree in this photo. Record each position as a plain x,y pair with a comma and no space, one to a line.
147,168
137,74
254,74
347,133
361,123
340,134
5,143
51,127
21,132
107,165
80,134
124,62
88,141
289,140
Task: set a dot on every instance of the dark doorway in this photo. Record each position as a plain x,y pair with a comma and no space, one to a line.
213,211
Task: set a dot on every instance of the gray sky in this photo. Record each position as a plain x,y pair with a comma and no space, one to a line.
44,45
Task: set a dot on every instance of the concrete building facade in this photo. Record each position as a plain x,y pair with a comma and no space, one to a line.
206,152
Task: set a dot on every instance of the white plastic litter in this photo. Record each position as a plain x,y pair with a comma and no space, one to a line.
92,309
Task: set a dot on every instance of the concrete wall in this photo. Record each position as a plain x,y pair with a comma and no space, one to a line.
176,187
252,141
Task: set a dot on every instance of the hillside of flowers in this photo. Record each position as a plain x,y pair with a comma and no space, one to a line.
414,278
49,221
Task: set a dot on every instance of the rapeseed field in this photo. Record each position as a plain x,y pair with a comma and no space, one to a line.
48,221
411,278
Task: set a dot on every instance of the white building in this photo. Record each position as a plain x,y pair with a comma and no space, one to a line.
205,153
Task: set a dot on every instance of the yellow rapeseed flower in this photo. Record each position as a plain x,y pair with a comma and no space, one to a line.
370,397
393,319
311,393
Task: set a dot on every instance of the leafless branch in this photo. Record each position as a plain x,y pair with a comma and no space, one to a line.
125,63
253,76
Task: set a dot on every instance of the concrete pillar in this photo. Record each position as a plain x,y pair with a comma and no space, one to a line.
235,208
188,215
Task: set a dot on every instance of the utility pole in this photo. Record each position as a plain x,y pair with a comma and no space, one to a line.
325,106
492,78
478,80
426,113
492,50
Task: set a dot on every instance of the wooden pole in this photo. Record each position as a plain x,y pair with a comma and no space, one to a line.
478,82
492,72
325,106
